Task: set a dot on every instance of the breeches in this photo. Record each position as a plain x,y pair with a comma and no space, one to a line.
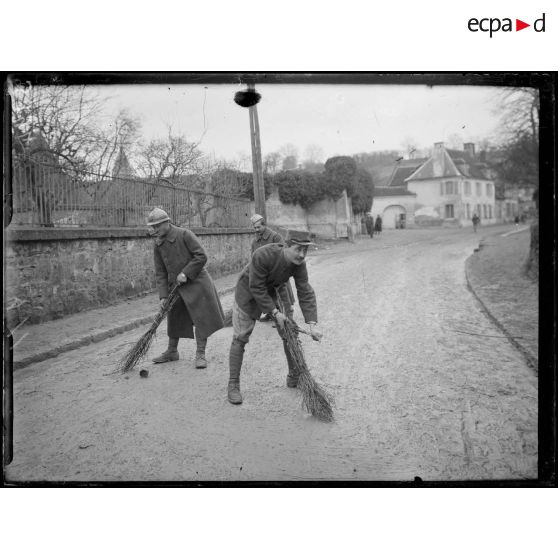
243,324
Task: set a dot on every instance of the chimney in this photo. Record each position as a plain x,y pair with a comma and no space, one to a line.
469,148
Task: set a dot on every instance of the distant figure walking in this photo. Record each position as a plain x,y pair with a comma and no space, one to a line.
370,225
476,221
378,226
516,221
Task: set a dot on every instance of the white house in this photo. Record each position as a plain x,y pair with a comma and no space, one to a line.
451,186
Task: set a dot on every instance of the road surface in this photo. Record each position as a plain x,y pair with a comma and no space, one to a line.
425,385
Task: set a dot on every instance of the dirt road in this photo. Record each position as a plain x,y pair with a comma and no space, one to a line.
425,385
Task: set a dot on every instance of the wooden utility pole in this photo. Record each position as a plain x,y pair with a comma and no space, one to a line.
257,167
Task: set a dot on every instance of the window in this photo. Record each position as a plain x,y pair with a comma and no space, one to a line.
449,211
451,187
478,209
479,189
490,212
467,191
468,210
441,188
489,189
484,211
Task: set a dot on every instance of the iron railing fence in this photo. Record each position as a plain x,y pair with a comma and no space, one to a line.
49,195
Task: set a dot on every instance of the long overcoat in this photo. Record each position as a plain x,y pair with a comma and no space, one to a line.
269,236
180,251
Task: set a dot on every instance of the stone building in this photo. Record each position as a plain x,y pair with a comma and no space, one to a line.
453,185
444,189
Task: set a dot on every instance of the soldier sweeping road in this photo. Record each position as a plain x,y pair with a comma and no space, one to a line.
180,258
256,292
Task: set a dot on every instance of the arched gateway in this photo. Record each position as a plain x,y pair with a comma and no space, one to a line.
393,215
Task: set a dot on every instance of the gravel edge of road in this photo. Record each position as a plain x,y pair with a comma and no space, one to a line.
531,360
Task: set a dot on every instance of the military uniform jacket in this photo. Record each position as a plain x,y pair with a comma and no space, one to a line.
267,237
271,237
269,270
181,251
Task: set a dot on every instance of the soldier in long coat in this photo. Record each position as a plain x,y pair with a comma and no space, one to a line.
180,258
256,292
264,236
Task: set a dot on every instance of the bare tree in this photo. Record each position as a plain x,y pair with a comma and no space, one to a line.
519,136
313,153
71,124
60,136
520,113
213,185
170,158
121,134
519,148
271,162
289,150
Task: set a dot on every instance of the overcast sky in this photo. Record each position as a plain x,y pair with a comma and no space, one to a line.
341,119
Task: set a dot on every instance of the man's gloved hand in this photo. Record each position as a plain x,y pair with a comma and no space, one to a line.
163,302
315,332
181,278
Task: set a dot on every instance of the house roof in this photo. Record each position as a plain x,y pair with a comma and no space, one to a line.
468,166
450,162
437,166
392,191
403,170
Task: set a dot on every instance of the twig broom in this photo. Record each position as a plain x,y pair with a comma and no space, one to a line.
139,350
315,399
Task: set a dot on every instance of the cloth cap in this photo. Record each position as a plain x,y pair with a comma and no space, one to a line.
255,218
157,216
304,238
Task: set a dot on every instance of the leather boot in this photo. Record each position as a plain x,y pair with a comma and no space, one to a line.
200,361
294,373
170,354
235,364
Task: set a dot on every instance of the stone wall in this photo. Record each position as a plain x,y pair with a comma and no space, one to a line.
326,218
49,273
331,219
288,216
